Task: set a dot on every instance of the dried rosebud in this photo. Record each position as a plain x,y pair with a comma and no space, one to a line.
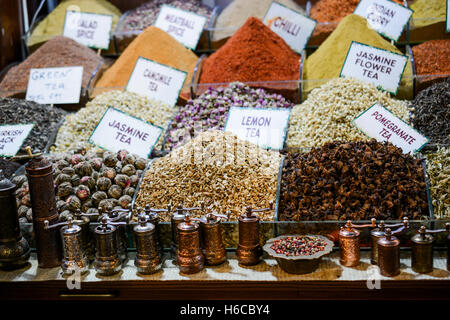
76,159
83,192
121,154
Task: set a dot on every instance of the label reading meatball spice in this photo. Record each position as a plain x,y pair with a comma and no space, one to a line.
12,138
183,25
117,130
379,123
55,85
264,127
384,16
382,68
156,81
294,27
90,29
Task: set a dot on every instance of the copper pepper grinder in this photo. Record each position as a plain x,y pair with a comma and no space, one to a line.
422,249
389,253
212,242
74,256
349,243
107,260
147,254
43,203
175,220
189,255
380,232
14,249
249,251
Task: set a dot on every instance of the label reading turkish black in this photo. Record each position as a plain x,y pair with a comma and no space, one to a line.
90,29
386,17
55,85
117,130
156,81
382,68
294,27
379,123
264,127
12,137
185,26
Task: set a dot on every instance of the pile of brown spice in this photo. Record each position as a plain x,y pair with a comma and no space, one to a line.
352,180
432,58
254,53
57,52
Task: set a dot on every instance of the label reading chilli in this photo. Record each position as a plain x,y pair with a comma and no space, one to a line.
386,17
90,29
118,130
294,27
264,127
156,81
379,123
382,68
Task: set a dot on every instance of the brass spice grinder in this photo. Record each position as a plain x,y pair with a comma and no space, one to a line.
422,249
147,254
349,246
107,261
380,232
74,256
189,255
249,251
14,249
211,236
43,203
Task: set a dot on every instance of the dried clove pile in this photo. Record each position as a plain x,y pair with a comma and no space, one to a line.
352,180
45,118
431,112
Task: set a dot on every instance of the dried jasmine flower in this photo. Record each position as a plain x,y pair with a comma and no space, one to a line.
438,172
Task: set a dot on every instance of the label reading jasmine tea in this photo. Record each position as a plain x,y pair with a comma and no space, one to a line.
294,27
379,123
386,17
380,67
117,130
264,127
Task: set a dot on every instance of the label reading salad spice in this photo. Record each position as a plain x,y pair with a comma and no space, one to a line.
117,130
55,85
12,137
382,68
264,127
89,29
156,81
183,25
294,27
384,16
379,123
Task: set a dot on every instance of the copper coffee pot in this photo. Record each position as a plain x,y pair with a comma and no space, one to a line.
189,255
249,251
380,232
211,235
349,243
74,255
177,218
422,249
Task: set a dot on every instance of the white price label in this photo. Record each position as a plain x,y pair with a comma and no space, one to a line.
384,16
447,23
380,67
294,27
118,130
379,123
185,26
55,85
156,81
264,127
12,138
90,29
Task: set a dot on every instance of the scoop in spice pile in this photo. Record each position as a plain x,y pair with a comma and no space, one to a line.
87,181
352,181
216,167
210,111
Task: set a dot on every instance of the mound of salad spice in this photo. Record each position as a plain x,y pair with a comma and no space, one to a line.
298,246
